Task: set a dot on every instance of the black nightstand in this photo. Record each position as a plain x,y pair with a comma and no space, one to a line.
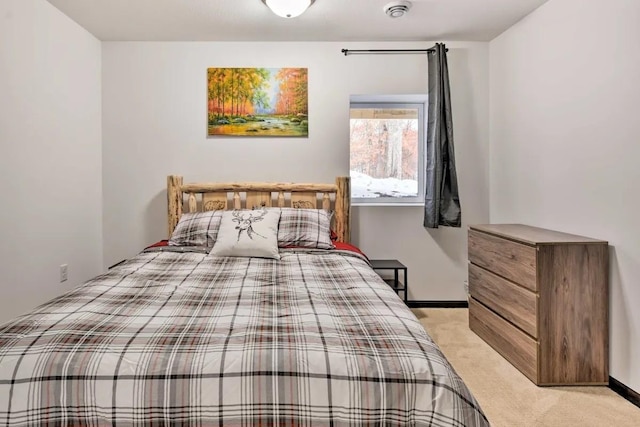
396,266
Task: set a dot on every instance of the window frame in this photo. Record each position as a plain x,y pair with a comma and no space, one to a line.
419,101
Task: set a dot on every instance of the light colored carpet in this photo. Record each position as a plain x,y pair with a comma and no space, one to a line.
507,397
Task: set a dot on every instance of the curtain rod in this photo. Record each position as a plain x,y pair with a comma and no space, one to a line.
385,51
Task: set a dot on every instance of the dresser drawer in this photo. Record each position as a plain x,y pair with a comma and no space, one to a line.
513,344
515,261
515,303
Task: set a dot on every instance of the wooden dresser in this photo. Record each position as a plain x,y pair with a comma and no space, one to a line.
540,298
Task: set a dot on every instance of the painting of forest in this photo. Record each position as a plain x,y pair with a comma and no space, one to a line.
258,101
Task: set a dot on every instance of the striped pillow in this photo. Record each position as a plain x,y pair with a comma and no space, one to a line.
307,228
197,229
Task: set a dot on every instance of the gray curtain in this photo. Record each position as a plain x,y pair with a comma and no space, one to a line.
442,202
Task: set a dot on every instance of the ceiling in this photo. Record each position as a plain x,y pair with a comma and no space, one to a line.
326,20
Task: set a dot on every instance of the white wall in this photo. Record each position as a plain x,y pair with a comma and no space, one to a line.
154,124
564,141
50,161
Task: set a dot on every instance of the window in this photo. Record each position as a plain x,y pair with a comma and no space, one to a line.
387,135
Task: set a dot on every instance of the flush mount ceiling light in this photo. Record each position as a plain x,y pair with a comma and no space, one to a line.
396,9
288,8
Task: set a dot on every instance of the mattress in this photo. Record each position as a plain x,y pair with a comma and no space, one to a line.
174,336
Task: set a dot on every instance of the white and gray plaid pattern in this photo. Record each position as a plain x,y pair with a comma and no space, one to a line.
197,229
173,337
305,228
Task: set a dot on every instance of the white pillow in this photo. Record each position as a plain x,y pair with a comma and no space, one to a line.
248,233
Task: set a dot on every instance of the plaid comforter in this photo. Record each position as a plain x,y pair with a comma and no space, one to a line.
174,337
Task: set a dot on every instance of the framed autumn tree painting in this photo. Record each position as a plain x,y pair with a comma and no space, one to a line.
258,101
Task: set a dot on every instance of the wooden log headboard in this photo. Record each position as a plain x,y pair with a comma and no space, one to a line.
238,195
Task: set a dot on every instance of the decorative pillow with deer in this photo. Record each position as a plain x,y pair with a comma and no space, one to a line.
248,233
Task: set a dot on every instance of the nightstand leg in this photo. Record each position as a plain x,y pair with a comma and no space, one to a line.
395,280
406,286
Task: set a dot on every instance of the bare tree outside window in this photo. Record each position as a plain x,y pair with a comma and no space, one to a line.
385,152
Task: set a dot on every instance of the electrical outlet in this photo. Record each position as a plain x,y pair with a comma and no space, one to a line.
64,273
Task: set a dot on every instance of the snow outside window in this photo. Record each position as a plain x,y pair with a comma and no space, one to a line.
387,149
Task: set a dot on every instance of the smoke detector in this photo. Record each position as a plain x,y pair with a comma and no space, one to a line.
396,9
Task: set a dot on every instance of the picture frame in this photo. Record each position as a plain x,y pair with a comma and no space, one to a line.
254,102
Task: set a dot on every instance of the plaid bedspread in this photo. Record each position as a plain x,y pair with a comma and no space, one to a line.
175,337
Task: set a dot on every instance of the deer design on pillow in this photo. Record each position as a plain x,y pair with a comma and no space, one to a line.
245,222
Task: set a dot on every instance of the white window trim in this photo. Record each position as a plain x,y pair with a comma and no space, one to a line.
422,100
383,204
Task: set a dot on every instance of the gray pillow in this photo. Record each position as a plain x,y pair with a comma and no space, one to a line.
196,229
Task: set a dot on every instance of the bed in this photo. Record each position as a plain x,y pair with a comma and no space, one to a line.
176,336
